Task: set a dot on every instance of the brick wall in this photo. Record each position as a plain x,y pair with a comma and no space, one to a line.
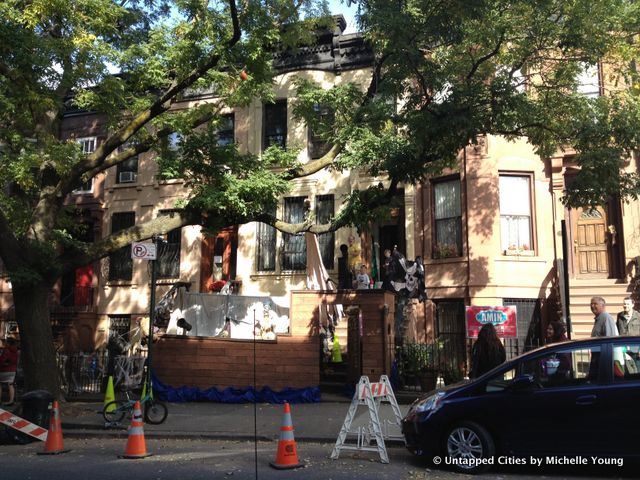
290,361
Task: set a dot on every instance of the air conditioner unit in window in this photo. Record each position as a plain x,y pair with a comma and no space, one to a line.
126,177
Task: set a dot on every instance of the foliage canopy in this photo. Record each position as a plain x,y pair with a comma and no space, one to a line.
444,74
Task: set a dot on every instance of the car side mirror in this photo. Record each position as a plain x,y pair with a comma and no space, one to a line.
522,382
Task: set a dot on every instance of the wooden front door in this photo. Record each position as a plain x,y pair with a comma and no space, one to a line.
590,242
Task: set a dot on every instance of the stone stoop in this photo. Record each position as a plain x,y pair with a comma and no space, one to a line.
580,293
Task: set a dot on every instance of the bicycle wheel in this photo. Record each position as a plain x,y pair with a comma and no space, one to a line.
155,412
113,412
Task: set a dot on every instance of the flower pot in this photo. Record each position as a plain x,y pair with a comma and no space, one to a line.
428,380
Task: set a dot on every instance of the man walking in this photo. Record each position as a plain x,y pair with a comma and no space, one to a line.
604,325
628,320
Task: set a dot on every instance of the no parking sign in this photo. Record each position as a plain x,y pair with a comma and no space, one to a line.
143,251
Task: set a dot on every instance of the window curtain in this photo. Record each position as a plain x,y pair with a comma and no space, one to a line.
120,262
295,248
324,213
447,212
515,212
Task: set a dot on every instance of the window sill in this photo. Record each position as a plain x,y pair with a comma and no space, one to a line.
120,283
277,275
436,261
519,253
521,258
171,181
121,186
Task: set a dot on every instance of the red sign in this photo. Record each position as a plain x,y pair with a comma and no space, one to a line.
503,318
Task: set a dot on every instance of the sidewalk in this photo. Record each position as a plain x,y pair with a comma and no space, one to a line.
318,422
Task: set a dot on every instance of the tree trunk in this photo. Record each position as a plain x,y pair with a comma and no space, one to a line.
37,354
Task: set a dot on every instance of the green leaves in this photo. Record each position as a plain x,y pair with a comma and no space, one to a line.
506,68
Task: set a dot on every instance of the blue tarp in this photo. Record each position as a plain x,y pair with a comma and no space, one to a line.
235,395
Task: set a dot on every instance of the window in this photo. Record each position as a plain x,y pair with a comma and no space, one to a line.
173,142
87,146
127,171
501,381
450,315
294,255
626,363
318,144
168,263
515,213
275,125
119,326
589,81
565,367
448,219
226,129
120,262
528,319
324,214
266,248
292,252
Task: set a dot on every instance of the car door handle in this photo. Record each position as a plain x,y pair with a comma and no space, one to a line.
586,400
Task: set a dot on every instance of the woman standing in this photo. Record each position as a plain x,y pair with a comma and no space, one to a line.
556,332
488,351
8,367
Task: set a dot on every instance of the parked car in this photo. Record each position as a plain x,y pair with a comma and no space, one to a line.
570,398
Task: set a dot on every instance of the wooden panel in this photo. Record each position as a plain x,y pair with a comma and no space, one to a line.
591,248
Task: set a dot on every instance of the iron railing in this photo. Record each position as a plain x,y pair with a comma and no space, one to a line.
83,374
450,360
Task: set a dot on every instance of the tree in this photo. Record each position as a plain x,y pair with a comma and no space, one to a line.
445,73
130,62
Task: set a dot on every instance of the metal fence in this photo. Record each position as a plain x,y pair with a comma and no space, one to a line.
82,373
85,374
451,360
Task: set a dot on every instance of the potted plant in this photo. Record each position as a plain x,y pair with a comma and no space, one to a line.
428,379
452,374
429,370
445,250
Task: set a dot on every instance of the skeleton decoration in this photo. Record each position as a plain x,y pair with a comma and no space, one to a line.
165,305
404,277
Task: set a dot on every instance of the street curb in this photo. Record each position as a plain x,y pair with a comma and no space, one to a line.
80,431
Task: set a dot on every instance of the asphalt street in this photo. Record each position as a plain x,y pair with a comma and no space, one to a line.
199,459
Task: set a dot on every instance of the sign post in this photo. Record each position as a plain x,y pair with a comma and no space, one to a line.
148,251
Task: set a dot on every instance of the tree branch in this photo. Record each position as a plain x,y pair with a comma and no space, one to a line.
161,105
146,145
73,258
484,58
314,166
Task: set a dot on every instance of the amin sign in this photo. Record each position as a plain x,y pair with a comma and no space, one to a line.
503,318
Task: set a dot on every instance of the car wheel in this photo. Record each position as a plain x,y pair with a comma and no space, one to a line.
469,447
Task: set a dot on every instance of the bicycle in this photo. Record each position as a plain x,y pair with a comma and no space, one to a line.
154,411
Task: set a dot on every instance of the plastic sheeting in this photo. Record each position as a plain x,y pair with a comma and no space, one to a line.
207,313
235,395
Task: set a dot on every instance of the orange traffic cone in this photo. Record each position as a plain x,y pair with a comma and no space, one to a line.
287,456
136,447
54,443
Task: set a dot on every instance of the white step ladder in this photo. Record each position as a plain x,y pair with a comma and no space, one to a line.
372,395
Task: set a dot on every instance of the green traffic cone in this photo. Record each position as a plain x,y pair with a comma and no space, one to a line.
336,355
109,395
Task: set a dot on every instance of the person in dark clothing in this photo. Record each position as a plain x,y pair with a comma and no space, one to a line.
488,351
628,321
556,332
8,367
345,279
558,366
